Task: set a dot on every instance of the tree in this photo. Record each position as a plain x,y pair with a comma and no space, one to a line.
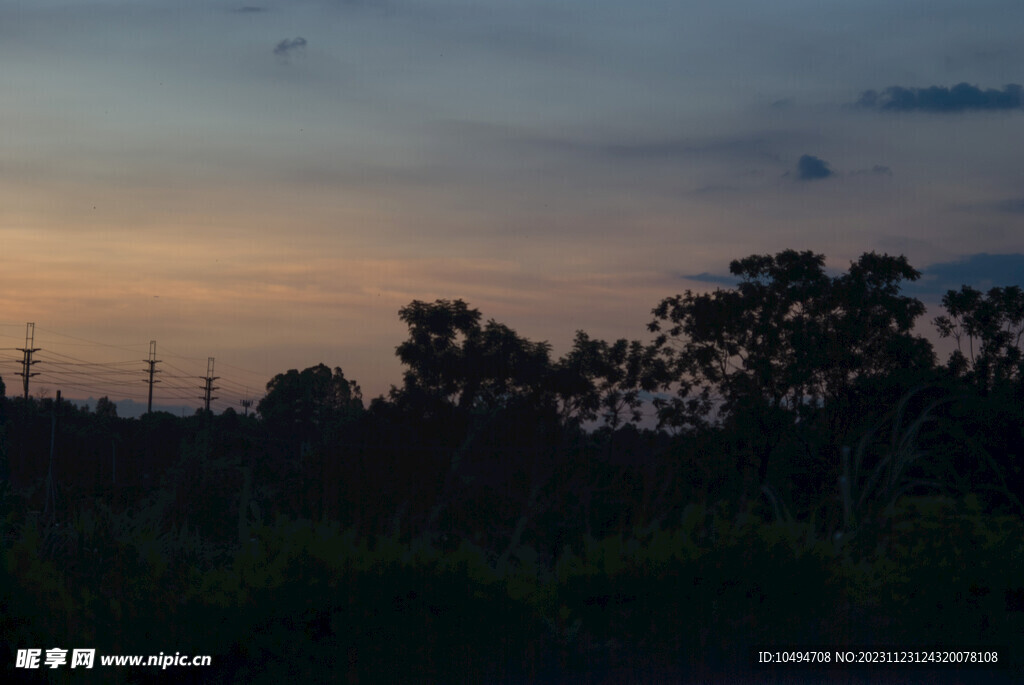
597,379
477,398
105,408
435,349
456,362
453,360
988,364
4,469
788,343
310,405
987,329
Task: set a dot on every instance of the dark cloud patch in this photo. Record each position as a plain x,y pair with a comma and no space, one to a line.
981,271
249,9
290,47
961,97
717,279
811,168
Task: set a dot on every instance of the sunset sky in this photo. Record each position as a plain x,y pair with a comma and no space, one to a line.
268,184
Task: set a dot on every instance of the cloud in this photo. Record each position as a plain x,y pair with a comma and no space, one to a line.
810,168
249,9
758,145
679,148
716,189
959,98
876,170
718,279
1011,206
982,271
290,46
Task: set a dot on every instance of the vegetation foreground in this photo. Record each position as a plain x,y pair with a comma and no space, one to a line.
815,479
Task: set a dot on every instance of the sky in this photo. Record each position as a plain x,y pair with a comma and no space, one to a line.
268,183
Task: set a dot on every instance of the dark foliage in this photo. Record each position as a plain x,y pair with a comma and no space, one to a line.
783,463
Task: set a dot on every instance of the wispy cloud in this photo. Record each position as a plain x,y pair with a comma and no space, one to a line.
959,98
717,279
676,148
980,270
876,170
1010,205
756,145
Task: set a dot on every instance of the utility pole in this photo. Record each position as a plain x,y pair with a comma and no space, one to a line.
209,387
152,361
246,403
27,362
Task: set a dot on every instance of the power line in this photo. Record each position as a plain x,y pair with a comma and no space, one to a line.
132,348
65,360
52,367
137,396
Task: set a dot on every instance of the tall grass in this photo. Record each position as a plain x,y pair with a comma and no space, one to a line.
883,466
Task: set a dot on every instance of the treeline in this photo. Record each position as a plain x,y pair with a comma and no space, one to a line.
799,422
764,386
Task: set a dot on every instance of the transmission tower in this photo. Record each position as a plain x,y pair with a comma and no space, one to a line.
209,387
152,361
246,403
27,350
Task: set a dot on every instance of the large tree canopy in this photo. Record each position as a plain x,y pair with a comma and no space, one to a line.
787,341
601,380
309,404
452,358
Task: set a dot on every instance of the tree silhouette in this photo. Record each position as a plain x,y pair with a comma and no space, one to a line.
453,360
310,405
987,328
106,408
596,379
789,342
